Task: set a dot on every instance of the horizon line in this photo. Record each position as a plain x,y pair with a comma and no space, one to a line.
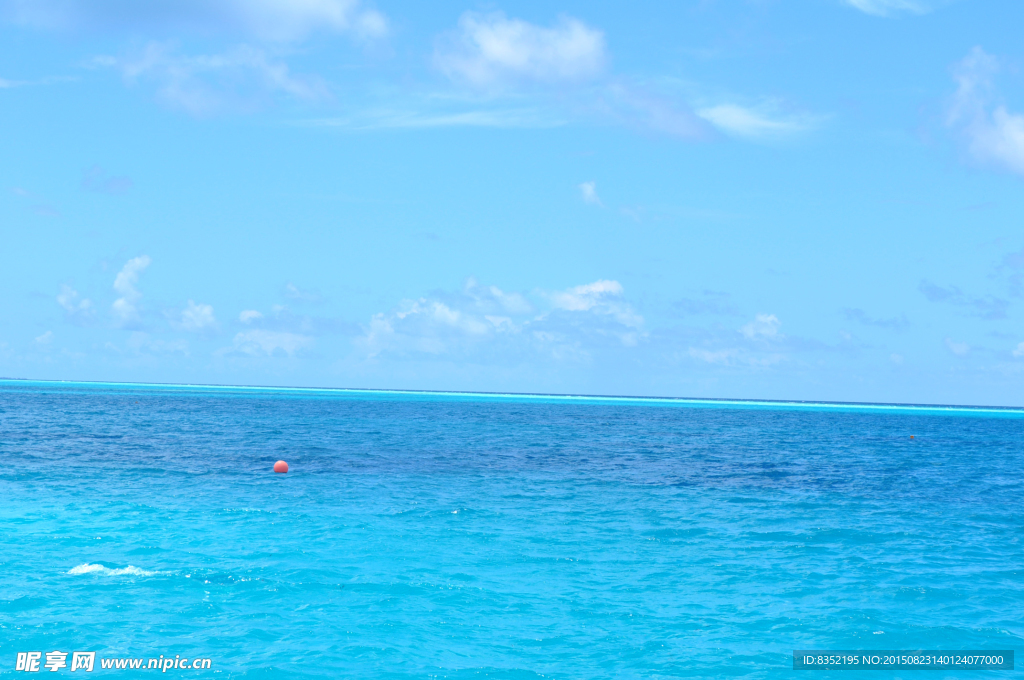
543,395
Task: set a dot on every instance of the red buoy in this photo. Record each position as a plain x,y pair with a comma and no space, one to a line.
280,466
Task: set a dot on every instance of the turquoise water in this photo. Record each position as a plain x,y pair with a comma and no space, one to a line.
423,535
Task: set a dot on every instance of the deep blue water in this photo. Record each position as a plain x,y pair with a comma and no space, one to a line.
459,536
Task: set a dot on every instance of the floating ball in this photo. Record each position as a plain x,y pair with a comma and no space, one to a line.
280,466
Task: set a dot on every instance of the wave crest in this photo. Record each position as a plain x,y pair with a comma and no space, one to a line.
107,571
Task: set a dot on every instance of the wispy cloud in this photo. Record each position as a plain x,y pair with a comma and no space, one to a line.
6,83
958,348
757,345
494,299
125,308
491,49
1014,262
275,20
239,79
77,311
293,292
763,327
444,323
884,8
616,101
411,119
588,191
602,297
646,109
96,179
281,319
720,356
487,324
496,63
762,122
756,358
992,133
263,343
38,204
988,307
236,80
197,318
893,323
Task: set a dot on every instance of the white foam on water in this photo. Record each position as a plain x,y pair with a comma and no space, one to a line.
107,571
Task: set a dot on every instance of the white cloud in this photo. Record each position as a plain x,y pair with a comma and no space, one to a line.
1002,141
124,308
442,314
196,318
958,348
766,346
588,190
487,297
77,310
235,80
992,133
484,323
384,119
764,326
1019,351
44,339
502,323
490,48
722,356
637,106
264,19
268,343
887,7
282,319
619,101
428,326
896,359
295,293
601,297
737,357
582,298
753,123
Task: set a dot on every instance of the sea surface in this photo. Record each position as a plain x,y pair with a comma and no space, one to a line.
432,535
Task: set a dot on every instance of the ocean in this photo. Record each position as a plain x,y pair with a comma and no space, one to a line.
434,535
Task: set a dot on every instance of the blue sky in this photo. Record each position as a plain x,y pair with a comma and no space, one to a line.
818,199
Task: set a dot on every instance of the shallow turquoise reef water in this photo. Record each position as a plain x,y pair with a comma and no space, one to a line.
428,535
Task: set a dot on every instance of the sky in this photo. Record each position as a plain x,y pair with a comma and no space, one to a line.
761,199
